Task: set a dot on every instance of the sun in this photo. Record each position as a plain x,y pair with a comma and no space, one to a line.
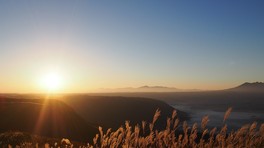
51,81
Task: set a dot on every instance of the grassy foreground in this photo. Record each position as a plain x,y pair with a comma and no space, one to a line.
176,134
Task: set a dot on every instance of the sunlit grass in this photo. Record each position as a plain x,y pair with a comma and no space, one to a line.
176,134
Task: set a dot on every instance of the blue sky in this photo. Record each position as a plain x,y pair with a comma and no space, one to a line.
110,44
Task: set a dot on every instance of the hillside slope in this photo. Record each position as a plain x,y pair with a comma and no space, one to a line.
51,118
111,112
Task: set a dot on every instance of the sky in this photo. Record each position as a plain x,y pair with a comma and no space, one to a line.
115,44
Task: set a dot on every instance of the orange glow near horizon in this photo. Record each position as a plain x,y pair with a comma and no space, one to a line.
83,46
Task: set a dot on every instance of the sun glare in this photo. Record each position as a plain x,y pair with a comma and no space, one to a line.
52,81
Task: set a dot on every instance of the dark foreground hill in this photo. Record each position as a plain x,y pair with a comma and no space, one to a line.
23,112
111,112
15,138
51,118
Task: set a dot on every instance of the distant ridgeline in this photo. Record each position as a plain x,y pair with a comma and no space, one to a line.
250,87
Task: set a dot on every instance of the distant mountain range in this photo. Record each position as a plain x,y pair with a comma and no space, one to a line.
147,88
250,87
255,86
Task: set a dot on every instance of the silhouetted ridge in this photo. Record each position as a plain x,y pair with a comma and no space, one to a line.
254,87
146,86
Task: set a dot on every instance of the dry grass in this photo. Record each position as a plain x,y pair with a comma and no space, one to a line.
178,135
246,136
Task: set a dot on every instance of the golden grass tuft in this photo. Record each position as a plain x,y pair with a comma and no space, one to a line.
246,136
139,136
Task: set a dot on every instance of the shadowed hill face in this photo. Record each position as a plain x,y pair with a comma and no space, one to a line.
50,118
111,112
